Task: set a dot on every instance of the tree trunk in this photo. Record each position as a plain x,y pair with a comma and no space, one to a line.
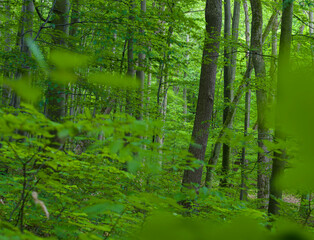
131,42
244,162
283,66
75,18
261,100
6,91
185,107
227,91
213,16
56,92
26,30
216,150
140,74
311,31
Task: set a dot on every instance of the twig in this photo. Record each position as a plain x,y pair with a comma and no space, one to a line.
47,20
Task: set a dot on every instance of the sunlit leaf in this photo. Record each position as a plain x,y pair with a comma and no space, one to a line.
68,60
102,207
24,89
37,53
114,80
63,77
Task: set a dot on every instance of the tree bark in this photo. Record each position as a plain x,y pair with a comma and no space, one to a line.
55,96
75,18
261,100
216,150
227,91
283,67
213,16
244,161
131,42
140,74
6,91
185,107
311,31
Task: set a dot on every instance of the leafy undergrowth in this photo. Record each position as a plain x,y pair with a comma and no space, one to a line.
104,179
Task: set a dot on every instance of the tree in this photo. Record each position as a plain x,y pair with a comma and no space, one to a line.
244,162
261,99
140,74
55,96
278,165
213,17
227,90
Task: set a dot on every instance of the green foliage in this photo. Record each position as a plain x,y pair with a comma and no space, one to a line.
112,167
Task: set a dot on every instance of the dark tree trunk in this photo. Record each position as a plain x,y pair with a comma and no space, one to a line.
56,92
283,66
213,16
216,150
261,99
227,91
140,74
244,162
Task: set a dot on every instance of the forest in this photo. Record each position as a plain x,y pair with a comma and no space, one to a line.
157,119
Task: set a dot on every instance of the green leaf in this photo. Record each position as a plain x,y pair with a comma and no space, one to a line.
24,89
103,207
114,80
37,53
68,60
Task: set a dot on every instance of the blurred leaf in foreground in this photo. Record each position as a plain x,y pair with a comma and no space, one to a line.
24,89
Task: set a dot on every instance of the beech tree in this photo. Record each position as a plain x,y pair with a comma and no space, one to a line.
283,71
206,95
55,109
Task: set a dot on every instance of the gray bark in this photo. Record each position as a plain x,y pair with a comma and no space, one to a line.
261,100
216,150
283,67
75,18
244,161
140,74
213,16
311,31
227,91
185,107
6,91
55,96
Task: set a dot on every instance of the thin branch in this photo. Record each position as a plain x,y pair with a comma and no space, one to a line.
39,13
47,20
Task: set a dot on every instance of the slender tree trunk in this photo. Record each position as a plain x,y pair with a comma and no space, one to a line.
26,30
227,91
306,197
300,32
274,52
229,76
235,35
185,107
75,18
73,29
283,67
131,42
244,162
305,207
56,92
213,16
140,74
130,57
6,91
261,99
311,31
